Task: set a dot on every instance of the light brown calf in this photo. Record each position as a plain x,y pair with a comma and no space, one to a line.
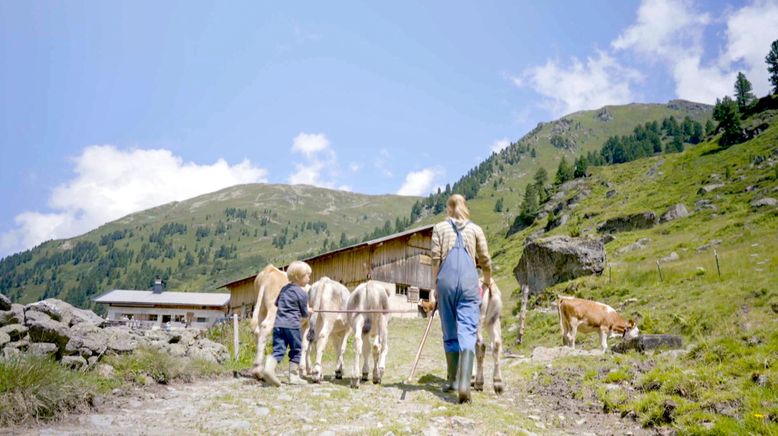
267,285
590,316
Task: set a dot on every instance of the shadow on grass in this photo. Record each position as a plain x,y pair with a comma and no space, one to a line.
429,383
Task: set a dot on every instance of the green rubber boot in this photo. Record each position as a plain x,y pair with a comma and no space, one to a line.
452,362
464,372
269,373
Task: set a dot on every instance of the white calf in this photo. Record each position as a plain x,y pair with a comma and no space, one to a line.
491,305
327,294
370,330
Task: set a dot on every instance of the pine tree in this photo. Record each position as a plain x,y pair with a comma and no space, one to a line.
498,205
581,167
726,113
529,208
743,94
710,128
772,65
564,172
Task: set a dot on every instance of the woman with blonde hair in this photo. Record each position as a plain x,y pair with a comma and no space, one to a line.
458,245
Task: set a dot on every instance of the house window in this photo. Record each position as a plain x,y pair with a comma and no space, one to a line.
401,289
153,317
201,319
178,318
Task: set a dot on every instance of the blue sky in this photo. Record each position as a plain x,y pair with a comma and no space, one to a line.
108,108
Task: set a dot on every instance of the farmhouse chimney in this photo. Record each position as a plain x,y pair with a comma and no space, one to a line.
159,286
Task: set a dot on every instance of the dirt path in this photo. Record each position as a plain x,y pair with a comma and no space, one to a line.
243,406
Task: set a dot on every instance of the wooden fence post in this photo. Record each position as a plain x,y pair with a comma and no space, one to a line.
718,268
236,341
523,313
660,271
610,278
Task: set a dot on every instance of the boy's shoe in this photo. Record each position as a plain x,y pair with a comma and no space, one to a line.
463,375
269,373
294,374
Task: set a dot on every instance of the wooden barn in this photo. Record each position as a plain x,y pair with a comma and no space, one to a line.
402,259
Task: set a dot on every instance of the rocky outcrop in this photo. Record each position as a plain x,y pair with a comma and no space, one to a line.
642,220
644,343
767,201
638,245
675,212
545,262
77,337
5,302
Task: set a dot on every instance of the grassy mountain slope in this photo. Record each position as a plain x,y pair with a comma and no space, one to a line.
728,382
588,130
199,243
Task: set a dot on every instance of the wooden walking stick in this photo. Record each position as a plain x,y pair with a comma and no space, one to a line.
421,344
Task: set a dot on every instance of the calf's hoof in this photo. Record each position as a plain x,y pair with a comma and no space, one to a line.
478,386
354,383
338,375
378,376
364,377
498,387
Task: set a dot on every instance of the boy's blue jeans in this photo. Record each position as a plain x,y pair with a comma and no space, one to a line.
287,337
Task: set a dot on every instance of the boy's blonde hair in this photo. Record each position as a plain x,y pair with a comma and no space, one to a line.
297,270
457,208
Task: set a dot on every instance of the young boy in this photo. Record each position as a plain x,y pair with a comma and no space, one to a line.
292,304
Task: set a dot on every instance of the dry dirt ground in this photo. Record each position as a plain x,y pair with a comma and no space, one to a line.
244,406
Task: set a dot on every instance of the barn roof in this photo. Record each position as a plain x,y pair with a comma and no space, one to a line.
118,296
377,241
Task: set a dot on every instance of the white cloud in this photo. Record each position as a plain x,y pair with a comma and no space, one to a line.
664,28
672,33
310,144
354,167
598,82
419,182
110,183
750,31
320,164
500,144
381,162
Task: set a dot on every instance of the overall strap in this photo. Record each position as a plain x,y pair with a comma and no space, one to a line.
460,243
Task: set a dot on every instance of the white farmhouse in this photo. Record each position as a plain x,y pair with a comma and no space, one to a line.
157,307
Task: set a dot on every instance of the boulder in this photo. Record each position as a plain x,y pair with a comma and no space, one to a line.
638,245
86,336
14,315
120,341
49,330
73,362
208,350
675,212
4,339
705,204
548,261
642,220
644,343
767,201
5,302
34,315
105,371
43,349
15,331
64,312
709,188
10,352
672,257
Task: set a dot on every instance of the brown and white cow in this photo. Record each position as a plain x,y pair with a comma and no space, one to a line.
371,330
326,294
268,284
491,307
590,316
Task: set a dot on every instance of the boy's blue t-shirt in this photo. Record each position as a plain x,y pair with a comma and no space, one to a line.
292,303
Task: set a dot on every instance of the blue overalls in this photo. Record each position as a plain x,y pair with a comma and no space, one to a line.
459,298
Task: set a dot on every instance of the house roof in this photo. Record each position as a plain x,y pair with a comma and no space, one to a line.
171,298
377,241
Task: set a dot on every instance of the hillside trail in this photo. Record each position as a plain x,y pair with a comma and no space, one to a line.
245,406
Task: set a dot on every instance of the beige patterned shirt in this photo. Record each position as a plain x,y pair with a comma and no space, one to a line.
444,238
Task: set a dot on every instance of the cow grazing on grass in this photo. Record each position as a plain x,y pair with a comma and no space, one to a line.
491,306
268,284
326,294
590,316
371,330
